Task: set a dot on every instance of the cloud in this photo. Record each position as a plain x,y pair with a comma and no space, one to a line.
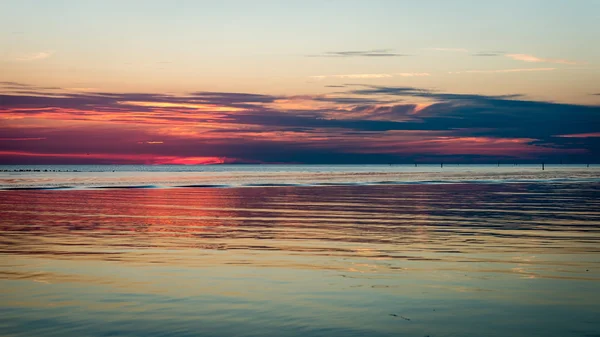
456,50
360,76
111,158
351,100
81,89
489,53
360,53
582,135
13,84
412,74
499,71
22,139
531,58
35,56
97,103
369,76
361,124
496,116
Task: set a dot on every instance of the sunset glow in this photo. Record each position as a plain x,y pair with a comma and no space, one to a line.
199,91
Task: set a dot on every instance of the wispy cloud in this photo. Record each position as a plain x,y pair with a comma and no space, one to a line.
582,135
81,89
361,76
152,142
531,58
413,74
370,76
364,76
456,50
35,56
8,84
22,139
489,53
360,53
16,86
500,71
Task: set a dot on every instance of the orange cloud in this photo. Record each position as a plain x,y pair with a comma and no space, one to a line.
190,160
357,125
202,107
148,159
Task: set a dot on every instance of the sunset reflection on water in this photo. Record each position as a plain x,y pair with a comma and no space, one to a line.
414,260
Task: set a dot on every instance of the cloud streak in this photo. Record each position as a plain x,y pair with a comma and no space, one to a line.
413,74
369,76
453,50
535,59
501,71
582,135
360,53
359,76
35,56
489,54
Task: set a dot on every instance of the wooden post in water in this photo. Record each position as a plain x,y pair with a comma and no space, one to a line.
588,165
498,163
442,165
542,166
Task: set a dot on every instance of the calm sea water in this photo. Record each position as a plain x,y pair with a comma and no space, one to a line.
345,251
148,176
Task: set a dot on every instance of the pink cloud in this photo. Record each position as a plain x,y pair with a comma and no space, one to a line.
531,58
148,159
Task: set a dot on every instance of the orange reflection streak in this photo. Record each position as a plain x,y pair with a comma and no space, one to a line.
394,223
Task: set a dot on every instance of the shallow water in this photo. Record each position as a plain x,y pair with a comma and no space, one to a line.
457,259
171,176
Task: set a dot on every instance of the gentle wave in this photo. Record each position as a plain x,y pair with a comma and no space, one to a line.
83,177
392,221
366,183
384,258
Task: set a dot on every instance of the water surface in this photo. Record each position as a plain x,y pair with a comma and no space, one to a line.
160,176
438,259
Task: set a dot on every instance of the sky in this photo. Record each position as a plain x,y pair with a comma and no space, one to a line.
303,82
